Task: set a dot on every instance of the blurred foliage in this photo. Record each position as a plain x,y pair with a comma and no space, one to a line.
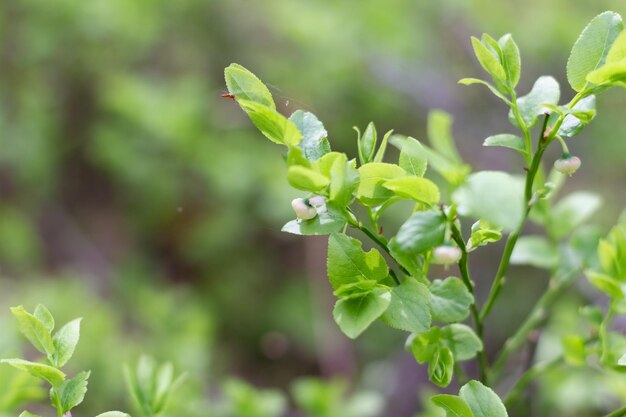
131,194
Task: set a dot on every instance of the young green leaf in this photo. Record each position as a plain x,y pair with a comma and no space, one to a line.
488,59
34,330
482,234
617,52
461,340
546,90
592,47
28,414
421,232
348,263
450,300
44,316
494,90
244,85
306,179
494,196
65,341
608,74
510,59
71,392
354,315
573,123
412,155
367,143
453,405
48,373
344,177
415,188
482,400
536,251
506,140
441,367
314,142
380,154
272,124
371,191
409,309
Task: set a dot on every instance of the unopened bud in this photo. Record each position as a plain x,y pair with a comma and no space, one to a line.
317,201
303,210
446,255
567,164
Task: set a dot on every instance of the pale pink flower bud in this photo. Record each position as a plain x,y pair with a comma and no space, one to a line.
303,210
317,201
567,164
446,255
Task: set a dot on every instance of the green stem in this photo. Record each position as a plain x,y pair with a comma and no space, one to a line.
465,275
512,239
528,146
537,370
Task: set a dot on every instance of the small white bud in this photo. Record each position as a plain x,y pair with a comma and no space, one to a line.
567,164
446,255
317,201
303,210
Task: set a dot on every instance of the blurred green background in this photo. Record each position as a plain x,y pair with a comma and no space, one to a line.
132,195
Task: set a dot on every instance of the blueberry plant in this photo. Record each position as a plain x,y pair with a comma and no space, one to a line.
345,198
57,348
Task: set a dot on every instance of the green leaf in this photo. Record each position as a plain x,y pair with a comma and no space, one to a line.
441,367
354,315
71,392
306,179
344,178
380,155
421,232
488,60
610,73
44,316
536,251
244,85
607,284
415,188
574,350
453,405
545,91
617,52
506,140
494,196
113,414
327,221
314,142
48,373
494,90
34,330
371,191
450,300
510,59
367,143
482,234
572,211
572,125
65,341
592,47
412,154
439,126
424,345
348,263
412,263
482,400
409,309
272,124
461,340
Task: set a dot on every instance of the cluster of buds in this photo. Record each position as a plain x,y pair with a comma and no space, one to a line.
567,164
306,208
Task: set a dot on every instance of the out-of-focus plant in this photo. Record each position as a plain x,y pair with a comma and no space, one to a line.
58,348
339,190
